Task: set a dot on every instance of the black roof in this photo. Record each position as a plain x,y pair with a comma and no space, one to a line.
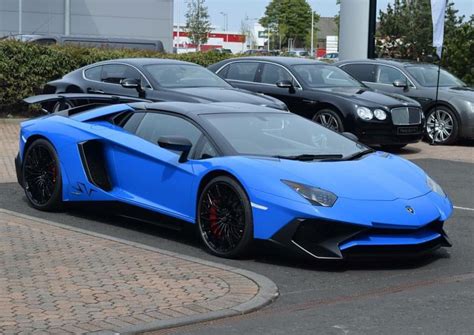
388,61
281,60
190,108
143,61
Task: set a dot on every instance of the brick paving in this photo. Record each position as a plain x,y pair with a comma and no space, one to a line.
8,149
57,280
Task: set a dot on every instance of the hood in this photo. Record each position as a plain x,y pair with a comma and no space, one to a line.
460,91
377,177
367,97
221,94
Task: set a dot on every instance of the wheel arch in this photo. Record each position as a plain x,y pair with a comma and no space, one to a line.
336,109
213,174
434,104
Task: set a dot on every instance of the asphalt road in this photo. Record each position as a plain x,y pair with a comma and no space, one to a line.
432,295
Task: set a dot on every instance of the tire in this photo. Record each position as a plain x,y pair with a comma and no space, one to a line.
224,218
329,118
393,147
442,126
41,175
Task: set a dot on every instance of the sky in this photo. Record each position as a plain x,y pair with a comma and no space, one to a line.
238,10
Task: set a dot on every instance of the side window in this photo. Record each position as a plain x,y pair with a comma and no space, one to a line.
156,125
242,71
387,75
361,72
271,74
94,73
114,73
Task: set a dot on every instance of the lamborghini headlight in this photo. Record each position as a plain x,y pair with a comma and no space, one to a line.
314,195
364,113
435,186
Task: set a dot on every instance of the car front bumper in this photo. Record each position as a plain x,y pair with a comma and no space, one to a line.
389,134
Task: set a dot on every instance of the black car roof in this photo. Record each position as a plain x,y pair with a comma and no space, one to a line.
279,60
388,61
188,108
143,61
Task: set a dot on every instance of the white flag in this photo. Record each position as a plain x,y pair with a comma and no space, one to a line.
438,8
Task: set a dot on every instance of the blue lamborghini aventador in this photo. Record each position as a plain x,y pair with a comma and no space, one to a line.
238,172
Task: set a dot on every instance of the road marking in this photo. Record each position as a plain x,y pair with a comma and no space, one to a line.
464,208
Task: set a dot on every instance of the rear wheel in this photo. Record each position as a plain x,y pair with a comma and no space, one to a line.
42,176
224,218
441,126
329,118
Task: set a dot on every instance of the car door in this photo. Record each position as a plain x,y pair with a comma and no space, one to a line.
385,77
153,176
241,74
364,72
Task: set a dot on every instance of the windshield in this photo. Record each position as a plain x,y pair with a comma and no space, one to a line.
318,75
281,134
427,75
184,75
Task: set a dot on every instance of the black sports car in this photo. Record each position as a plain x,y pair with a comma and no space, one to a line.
448,119
155,80
329,96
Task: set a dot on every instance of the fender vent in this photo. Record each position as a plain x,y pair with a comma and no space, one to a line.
94,162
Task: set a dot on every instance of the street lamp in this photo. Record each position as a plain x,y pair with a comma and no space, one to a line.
226,25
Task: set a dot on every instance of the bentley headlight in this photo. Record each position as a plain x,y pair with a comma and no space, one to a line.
364,113
314,195
435,186
380,114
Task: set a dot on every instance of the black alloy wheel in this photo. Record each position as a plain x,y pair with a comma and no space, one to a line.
224,218
329,119
42,176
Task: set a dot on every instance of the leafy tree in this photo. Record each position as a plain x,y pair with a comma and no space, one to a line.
197,22
406,31
286,19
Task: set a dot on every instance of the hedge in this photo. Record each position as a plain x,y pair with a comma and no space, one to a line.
26,67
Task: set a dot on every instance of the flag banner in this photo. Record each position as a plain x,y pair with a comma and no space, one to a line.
438,9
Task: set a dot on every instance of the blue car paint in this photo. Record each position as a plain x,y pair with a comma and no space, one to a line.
373,191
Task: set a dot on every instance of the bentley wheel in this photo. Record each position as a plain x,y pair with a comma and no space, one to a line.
441,126
42,176
329,119
224,218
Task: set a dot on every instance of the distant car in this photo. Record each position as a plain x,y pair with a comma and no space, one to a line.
237,173
153,79
331,57
221,51
329,96
298,53
447,120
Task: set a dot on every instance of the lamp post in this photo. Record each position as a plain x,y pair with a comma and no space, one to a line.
312,33
20,16
226,25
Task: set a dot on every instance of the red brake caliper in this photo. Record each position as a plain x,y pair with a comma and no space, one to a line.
213,219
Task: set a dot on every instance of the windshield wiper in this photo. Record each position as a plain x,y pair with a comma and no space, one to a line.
359,154
310,157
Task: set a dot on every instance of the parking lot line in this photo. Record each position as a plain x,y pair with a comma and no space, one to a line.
464,208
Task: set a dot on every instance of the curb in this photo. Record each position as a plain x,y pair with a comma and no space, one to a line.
267,293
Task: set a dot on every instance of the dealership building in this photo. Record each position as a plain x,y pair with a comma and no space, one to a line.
144,19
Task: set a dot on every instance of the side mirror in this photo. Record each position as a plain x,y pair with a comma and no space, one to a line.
176,143
286,84
350,136
134,83
400,83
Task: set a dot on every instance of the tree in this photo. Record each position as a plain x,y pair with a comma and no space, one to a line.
197,22
406,31
286,19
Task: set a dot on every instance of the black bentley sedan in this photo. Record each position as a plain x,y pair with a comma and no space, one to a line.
153,79
329,96
447,119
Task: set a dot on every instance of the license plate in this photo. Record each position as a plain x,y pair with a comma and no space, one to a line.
408,130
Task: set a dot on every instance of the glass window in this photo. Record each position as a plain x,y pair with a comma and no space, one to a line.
388,74
244,71
93,73
114,73
427,75
184,75
271,74
362,72
319,75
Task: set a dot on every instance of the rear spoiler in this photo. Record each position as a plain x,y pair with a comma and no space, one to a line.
84,98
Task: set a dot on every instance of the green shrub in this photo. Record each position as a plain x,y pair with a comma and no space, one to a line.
26,67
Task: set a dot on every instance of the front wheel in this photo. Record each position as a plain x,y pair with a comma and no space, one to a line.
441,126
329,119
42,176
224,218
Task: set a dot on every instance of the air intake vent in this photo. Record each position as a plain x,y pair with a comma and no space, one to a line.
94,162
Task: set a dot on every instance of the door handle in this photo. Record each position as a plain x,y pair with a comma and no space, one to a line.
92,90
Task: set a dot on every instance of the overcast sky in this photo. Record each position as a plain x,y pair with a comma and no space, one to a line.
237,10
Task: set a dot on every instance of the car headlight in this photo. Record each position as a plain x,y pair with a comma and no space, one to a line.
435,186
380,114
314,195
364,113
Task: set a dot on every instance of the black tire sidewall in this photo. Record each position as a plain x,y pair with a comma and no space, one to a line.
333,113
454,135
244,245
55,202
